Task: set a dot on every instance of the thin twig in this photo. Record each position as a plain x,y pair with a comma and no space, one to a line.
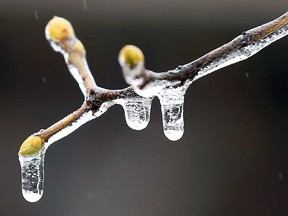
65,122
238,45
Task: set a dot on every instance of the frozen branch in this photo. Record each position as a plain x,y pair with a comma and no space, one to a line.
145,85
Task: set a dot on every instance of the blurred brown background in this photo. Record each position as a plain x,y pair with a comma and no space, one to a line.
233,158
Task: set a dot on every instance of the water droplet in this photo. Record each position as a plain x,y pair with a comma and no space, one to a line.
32,176
85,5
36,14
172,104
280,175
137,112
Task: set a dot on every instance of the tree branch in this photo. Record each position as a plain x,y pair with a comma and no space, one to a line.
145,84
240,48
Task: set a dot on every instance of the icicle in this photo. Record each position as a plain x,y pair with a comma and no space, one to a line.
137,112
172,103
32,174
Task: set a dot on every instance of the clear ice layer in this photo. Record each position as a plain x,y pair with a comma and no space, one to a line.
172,105
137,111
243,53
32,176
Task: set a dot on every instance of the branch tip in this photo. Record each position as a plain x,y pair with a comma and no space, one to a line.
31,146
59,29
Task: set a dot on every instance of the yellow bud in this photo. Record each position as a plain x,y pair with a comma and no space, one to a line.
32,145
130,55
79,47
59,29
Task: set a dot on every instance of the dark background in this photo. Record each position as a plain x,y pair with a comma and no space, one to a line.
233,157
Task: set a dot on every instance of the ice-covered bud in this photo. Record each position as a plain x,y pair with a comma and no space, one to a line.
32,145
60,33
131,60
130,56
59,29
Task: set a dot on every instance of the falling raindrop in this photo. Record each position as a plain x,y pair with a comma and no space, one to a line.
85,5
36,14
172,104
32,175
280,175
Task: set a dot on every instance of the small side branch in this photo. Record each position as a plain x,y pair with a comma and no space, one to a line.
64,123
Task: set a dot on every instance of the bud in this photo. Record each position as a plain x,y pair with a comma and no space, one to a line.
32,145
59,29
131,60
130,56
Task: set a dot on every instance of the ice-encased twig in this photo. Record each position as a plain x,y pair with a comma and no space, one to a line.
149,84
63,39
241,53
242,47
60,34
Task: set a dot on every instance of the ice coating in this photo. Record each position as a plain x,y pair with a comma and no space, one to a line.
243,53
172,104
74,69
32,176
154,87
75,73
137,111
87,116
